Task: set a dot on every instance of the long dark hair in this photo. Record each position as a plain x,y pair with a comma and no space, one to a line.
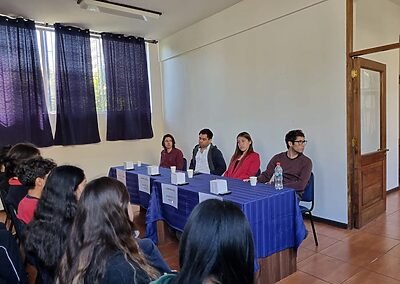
168,136
216,243
46,234
100,229
239,152
17,154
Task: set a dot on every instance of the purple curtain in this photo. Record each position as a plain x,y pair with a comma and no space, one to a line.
76,105
128,95
23,111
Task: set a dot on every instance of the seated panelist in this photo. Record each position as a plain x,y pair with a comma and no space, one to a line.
171,156
244,162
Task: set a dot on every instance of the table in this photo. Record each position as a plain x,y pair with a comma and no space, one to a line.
274,215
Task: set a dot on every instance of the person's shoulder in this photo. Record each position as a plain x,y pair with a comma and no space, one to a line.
178,150
120,270
254,155
306,159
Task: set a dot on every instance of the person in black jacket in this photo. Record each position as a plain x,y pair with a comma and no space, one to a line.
206,157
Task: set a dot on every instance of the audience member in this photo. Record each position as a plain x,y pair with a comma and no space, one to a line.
101,248
244,162
46,234
296,166
206,157
216,246
3,178
171,156
17,154
32,173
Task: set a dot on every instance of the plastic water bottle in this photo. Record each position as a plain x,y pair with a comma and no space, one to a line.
278,176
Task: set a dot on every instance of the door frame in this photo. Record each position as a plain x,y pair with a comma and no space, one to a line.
350,53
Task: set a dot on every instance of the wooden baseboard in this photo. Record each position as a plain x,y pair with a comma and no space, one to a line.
327,221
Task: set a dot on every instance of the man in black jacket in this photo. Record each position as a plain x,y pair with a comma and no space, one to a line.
206,157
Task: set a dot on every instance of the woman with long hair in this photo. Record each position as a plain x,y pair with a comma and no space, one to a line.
216,247
170,155
101,248
46,234
244,162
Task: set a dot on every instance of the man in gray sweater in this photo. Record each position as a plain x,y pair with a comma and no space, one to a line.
296,166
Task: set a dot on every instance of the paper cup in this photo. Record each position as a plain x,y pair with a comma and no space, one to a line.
253,181
190,173
173,169
139,163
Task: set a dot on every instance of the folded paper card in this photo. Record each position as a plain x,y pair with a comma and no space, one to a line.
152,170
178,178
218,186
128,165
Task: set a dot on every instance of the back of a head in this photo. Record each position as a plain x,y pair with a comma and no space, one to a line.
102,224
216,243
47,232
18,154
3,154
29,170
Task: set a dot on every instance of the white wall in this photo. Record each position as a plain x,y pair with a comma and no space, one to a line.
96,159
265,67
378,23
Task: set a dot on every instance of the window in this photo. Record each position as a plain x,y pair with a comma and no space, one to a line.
46,41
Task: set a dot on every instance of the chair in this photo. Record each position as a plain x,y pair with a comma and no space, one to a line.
184,164
308,196
18,224
8,222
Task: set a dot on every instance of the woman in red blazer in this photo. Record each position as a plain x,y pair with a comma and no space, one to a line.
244,162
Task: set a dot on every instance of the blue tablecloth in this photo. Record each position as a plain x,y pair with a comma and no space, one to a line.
274,216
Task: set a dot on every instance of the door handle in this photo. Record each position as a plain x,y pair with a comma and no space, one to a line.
383,150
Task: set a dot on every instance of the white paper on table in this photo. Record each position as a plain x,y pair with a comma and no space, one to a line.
170,194
121,176
205,196
144,183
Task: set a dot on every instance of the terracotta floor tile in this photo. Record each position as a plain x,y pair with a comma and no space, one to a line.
334,232
387,265
301,278
387,229
352,253
371,241
304,253
369,277
328,269
395,251
323,242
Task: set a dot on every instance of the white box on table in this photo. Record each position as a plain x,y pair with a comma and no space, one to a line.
152,170
128,165
178,178
218,186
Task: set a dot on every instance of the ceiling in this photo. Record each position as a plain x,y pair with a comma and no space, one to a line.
176,15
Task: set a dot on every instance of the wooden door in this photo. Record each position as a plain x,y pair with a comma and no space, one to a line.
369,142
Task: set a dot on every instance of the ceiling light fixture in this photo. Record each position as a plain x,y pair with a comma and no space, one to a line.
118,9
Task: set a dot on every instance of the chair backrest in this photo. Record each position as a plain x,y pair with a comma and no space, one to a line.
184,164
258,173
308,194
18,224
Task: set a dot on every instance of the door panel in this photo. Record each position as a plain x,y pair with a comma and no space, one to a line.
369,89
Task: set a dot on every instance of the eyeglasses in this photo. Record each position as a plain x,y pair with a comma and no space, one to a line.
301,142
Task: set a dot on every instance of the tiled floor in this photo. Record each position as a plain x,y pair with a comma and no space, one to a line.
370,255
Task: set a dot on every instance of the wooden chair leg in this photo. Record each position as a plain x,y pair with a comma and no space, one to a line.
313,229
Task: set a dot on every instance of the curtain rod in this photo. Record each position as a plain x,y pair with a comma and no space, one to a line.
49,26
